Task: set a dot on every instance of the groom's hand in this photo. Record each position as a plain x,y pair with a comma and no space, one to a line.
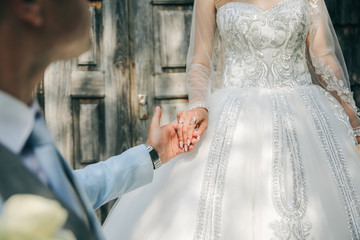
164,138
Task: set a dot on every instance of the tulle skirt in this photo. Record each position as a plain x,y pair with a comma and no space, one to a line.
274,164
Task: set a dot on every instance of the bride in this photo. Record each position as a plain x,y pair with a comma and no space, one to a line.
279,159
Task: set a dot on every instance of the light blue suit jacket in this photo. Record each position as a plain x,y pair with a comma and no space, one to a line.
97,183
105,181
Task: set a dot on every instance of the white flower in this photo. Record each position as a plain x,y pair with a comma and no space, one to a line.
31,217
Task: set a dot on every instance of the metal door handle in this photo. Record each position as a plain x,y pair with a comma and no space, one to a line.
143,107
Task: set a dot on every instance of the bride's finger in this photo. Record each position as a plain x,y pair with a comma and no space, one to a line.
192,125
192,147
196,136
185,135
179,131
202,128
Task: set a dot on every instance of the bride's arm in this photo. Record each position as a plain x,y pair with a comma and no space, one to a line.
326,59
199,71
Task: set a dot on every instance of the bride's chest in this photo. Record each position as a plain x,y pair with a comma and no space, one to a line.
286,22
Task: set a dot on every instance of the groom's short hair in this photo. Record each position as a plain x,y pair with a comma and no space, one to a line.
4,7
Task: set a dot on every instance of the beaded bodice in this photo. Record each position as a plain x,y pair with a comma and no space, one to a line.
265,48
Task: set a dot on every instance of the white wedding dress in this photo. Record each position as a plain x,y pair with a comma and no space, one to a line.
279,159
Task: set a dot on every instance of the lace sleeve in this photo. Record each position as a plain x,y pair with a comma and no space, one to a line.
199,63
327,61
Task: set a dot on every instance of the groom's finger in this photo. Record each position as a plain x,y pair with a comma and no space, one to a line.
155,121
179,132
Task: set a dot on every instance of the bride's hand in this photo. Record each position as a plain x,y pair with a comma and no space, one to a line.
191,125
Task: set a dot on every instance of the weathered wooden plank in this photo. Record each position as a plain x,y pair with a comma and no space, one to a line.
115,61
99,79
170,85
89,57
58,114
143,64
116,64
159,37
175,31
170,108
89,132
87,84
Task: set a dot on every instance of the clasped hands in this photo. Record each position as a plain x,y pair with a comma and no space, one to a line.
191,124
178,137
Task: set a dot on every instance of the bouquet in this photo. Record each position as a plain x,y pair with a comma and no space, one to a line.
31,217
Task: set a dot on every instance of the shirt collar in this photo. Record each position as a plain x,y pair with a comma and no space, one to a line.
16,122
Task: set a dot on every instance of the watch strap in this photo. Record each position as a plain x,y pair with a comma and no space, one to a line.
154,156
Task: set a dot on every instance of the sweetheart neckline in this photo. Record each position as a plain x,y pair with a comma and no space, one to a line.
257,7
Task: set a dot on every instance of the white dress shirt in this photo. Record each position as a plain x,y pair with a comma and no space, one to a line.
16,122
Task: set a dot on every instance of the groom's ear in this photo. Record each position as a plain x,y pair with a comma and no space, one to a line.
29,11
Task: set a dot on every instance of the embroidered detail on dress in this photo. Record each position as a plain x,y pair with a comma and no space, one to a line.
314,18
340,114
263,49
323,70
332,83
336,161
288,230
209,212
314,4
288,178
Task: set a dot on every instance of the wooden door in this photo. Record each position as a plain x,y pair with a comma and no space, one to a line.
101,103
87,100
160,32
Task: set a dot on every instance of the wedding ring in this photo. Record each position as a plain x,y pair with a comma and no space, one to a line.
193,120
180,122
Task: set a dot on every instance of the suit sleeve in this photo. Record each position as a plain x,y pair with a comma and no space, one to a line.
107,180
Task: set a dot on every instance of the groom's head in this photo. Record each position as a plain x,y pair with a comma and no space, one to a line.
56,27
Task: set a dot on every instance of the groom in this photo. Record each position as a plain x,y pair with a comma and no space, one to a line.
34,33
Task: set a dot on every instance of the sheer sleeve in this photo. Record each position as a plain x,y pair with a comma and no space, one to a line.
199,63
327,61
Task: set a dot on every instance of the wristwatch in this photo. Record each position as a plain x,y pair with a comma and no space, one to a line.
154,156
